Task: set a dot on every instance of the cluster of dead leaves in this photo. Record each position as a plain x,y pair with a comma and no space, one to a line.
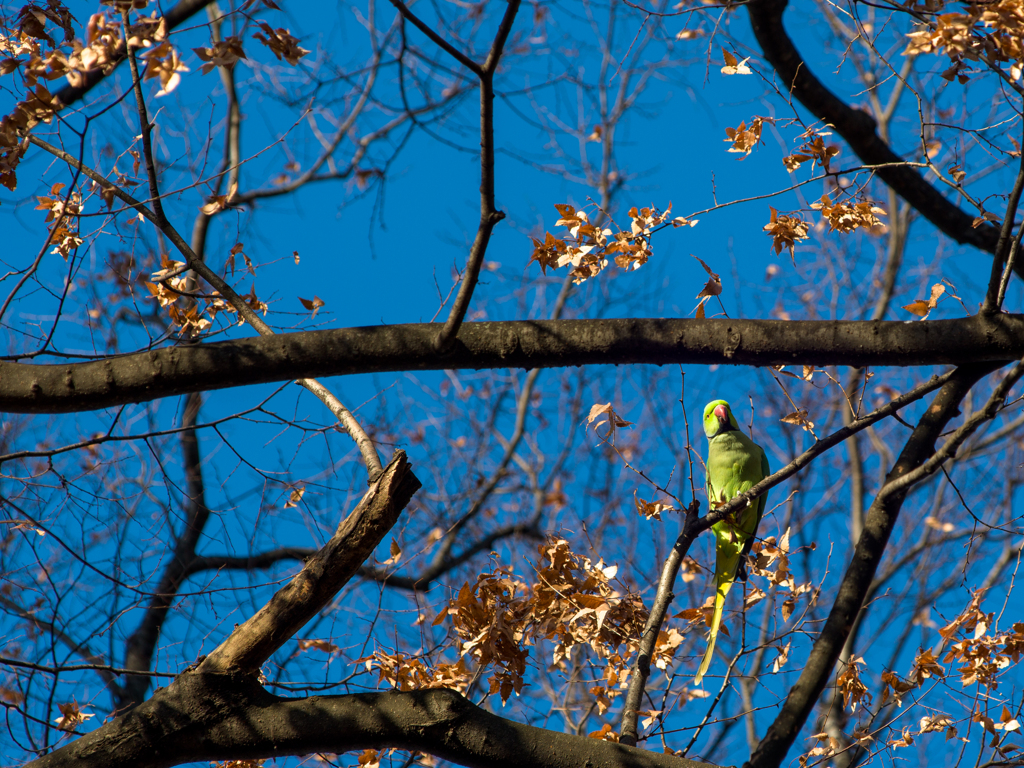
786,230
851,687
650,509
571,603
603,415
713,287
409,673
982,657
771,562
734,66
587,248
22,50
62,212
223,53
986,31
71,716
281,43
923,307
814,149
744,138
193,316
845,217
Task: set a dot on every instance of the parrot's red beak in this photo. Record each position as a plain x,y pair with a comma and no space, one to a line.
722,415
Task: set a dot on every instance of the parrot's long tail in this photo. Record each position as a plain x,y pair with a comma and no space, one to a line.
716,620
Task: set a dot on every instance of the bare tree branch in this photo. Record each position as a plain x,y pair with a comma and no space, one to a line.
30,388
878,525
329,570
207,717
426,29
142,643
858,128
489,215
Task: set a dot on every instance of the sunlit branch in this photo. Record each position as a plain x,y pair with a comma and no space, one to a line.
489,215
253,642
858,129
346,418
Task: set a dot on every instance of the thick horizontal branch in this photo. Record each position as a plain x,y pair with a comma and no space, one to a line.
203,717
31,388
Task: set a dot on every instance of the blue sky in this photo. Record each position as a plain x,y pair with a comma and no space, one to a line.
374,256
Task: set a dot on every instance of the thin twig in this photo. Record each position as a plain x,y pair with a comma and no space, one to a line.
489,215
1003,248
725,684
348,421
628,731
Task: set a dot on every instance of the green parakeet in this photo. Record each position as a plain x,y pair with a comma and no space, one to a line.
735,464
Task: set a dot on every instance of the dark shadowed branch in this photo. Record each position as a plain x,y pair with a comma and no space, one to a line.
858,128
918,458
28,388
206,717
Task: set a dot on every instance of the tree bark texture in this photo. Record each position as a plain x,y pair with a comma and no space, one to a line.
878,526
204,717
142,376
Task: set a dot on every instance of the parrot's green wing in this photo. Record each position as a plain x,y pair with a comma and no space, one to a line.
735,465
761,503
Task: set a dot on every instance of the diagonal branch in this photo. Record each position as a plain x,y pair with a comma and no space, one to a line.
858,128
1004,250
253,642
193,261
694,525
450,49
918,459
628,732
